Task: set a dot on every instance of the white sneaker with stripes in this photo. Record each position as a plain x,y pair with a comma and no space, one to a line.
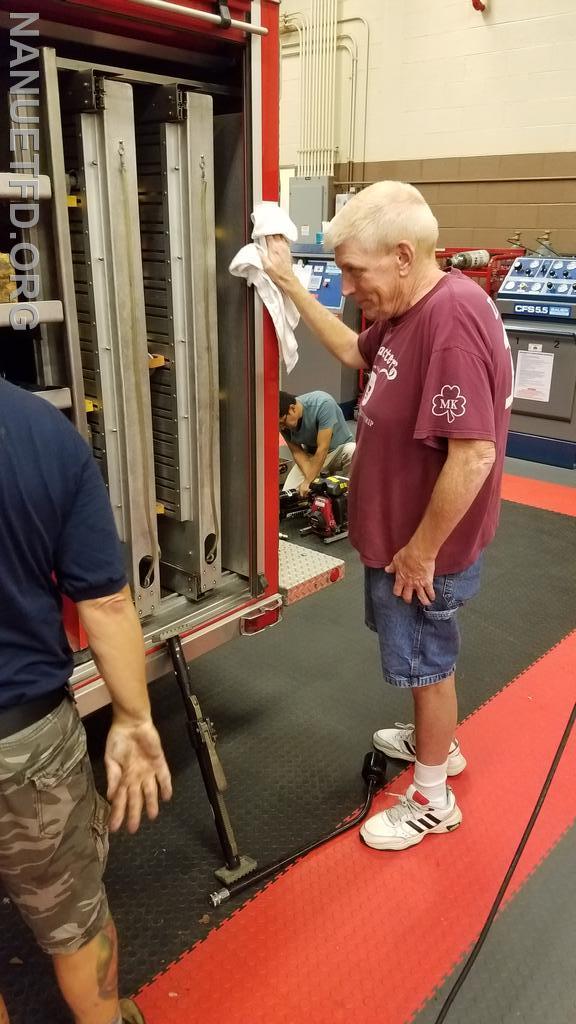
409,821
400,743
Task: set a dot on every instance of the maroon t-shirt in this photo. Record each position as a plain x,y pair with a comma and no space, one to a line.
442,370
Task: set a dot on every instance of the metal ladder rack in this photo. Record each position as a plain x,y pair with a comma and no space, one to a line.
175,133
57,348
100,155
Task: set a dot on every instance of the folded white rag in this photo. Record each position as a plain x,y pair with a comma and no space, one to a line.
270,219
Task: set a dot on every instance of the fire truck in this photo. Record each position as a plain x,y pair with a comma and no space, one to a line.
141,134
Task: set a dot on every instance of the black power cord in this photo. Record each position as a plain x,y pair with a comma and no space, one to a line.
374,775
489,920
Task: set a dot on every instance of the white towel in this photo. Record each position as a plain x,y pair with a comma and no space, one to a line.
270,219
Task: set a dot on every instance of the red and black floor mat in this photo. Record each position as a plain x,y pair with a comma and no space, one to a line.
348,934
354,935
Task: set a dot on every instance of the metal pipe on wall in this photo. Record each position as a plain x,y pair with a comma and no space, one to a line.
316,86
333,43
326,85
362,21
349,44
290,26
301,23
303,93
306,93
328,90
299,30
322,113
308,98
318,37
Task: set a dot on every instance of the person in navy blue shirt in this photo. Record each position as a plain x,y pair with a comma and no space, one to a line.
57,536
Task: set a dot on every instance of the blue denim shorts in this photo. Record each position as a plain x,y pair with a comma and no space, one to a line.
418,645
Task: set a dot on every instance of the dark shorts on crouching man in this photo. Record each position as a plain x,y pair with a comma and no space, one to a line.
418,645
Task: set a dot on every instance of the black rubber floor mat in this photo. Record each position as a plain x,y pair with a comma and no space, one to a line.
525,970
295,709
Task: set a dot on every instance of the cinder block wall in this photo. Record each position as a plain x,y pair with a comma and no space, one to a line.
484,201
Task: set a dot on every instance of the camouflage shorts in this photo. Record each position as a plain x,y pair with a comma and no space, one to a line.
53,831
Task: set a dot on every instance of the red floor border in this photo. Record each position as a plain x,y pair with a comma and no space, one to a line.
349,934
539,494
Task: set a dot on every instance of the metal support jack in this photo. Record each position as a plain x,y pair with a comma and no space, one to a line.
374,775
201,736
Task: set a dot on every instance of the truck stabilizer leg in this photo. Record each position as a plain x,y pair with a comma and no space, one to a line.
202,740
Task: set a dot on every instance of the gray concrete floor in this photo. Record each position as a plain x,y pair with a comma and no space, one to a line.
538,471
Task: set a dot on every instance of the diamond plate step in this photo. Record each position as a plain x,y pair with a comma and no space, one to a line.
302,571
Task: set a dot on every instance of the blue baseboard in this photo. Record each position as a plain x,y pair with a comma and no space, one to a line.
541,449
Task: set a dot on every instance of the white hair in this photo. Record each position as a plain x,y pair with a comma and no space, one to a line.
381,216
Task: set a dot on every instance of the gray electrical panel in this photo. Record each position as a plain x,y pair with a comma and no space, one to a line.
311,203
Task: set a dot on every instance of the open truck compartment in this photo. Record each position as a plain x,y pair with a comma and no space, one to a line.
149,161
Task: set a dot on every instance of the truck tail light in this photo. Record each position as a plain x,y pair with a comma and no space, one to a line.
260,618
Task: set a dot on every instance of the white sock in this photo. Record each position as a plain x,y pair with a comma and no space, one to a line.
430,780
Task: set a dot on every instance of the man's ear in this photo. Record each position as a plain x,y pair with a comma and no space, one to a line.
405,254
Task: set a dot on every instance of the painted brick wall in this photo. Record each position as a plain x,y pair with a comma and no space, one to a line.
447,81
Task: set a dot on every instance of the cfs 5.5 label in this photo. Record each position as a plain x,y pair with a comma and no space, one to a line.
539,310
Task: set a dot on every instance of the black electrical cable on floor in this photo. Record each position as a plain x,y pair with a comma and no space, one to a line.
373,773
259,876
489,920
278,865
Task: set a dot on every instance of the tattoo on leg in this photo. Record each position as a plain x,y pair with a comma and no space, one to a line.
107,963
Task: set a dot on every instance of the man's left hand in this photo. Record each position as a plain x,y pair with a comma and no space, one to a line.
414,575
304,488
137,771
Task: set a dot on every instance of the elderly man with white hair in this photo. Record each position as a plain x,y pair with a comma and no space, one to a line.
425,485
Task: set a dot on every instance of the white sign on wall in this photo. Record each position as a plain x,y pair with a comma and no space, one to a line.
534,376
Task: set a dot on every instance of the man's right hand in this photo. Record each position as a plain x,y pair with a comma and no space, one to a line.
136,769
277,262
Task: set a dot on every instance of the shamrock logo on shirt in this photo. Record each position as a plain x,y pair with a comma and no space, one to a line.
449,403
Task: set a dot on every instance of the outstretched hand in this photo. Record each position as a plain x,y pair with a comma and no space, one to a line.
136,770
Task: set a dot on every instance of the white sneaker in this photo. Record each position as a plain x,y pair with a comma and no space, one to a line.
409,821
400,743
